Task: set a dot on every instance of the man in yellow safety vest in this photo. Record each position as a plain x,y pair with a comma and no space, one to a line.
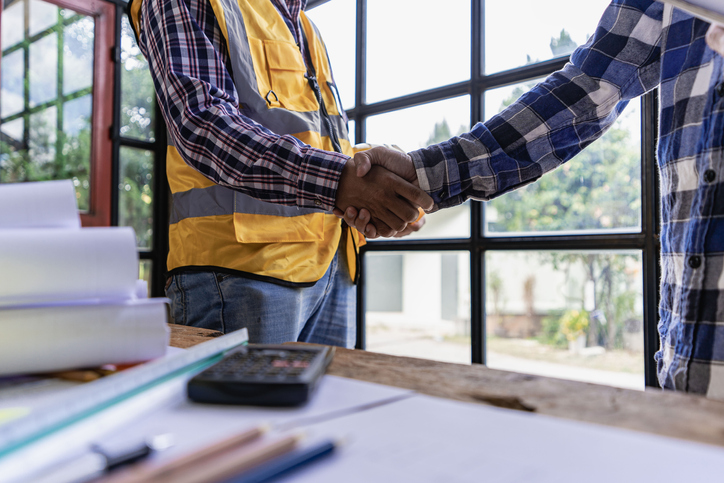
258,158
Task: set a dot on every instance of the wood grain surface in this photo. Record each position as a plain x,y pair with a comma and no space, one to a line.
184,336
653,411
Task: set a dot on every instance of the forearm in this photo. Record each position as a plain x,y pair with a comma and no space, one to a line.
532,136
198,100
556,119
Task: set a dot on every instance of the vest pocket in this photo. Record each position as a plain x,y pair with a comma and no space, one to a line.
278,229
286,72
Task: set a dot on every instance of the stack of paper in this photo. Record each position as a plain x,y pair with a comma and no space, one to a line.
69,296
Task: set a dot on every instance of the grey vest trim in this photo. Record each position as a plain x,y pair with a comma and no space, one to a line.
218,200
254,106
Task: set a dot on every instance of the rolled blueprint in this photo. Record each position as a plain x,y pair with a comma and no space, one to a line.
42,204
56,266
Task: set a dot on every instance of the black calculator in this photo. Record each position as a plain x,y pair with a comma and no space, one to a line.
262,375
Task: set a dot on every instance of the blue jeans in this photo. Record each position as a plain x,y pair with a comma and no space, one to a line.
323,313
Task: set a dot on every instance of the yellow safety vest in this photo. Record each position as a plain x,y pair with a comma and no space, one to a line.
213,226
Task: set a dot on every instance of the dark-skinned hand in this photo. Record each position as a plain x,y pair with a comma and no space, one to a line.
391,202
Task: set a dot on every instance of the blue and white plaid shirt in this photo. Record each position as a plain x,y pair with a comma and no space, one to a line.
639,45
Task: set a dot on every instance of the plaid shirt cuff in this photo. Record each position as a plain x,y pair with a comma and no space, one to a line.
318,179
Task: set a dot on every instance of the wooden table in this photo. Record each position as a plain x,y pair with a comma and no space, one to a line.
653,411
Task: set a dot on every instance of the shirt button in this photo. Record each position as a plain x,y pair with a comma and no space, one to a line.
720,89
695,261
318,202
709,175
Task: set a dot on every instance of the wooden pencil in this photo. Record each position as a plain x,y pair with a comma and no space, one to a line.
230,463
150,471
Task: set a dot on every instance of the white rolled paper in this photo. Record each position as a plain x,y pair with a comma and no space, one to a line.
44,266
41,204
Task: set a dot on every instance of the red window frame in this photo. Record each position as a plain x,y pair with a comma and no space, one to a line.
103,13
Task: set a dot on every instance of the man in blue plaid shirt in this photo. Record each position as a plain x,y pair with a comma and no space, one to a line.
639,45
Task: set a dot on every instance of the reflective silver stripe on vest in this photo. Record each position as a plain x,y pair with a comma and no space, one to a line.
218,200
281,121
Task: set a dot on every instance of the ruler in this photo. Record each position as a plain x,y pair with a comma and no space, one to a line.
78,403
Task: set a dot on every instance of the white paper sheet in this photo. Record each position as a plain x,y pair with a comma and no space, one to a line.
425,439
195,425
393,435
164,410
59,265
46,204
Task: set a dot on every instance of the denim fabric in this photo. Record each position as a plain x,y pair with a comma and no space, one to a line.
323,313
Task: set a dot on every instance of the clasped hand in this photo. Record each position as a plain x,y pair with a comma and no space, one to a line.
378,194
715,38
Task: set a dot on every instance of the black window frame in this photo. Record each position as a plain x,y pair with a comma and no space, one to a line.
158,251
477,245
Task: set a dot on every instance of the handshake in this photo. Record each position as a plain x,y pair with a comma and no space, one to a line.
378,194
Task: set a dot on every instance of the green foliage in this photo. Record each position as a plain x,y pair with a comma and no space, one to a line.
137,91
50,155
494,286
136,194
574,323
614,277
135,207
441,132
599,189
563,45
551,331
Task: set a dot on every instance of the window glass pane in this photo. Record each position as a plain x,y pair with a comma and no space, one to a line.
135,194
599,190
13,156
533,31
420,126
13,73
496,100
77,116
144,272
137,92
336,21
66,14
418,304
13,18
46,132
571,315
43,66
13,130
352,136
42,16
414,48
75,154
43,135
78,55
